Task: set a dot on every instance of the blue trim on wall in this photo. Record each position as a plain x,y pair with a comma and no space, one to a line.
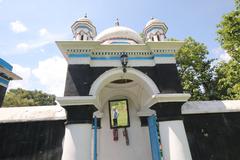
105,58
82,55
119,43
155,27
6,65
164,55
118,58
85,55
84,26
4,81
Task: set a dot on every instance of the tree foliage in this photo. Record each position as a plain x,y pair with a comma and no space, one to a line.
195,70
229,32
21,97
228,80
228,74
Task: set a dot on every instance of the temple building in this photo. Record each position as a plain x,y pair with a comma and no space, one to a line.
118,67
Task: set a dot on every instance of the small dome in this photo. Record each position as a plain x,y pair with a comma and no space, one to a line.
119,32
83,29
84,19
153,21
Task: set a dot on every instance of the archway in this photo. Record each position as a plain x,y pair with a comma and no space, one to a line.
137,88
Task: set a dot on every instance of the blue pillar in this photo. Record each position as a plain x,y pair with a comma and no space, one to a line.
153,133
95,138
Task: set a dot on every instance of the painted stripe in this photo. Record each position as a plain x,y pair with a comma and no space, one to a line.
4,81
120,43
78,55
5,65
118,58
164,55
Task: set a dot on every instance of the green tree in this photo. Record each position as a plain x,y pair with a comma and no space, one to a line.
228,80
229,32
228,74
195,70
20,97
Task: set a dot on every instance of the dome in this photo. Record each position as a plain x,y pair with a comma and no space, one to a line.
153,21
84,19
119,32
83,29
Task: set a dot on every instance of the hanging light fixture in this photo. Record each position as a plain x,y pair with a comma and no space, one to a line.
124,61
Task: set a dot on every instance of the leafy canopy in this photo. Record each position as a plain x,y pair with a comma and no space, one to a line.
228,74
229,32
195,70
21,97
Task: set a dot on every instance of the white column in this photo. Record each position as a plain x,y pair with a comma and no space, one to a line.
155,38
174,140
77,142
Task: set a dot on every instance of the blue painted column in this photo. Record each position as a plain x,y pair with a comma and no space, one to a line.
153,133
95,138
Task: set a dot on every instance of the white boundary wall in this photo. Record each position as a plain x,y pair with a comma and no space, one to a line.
174,140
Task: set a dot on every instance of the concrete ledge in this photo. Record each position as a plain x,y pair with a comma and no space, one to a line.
204,107
35,113
76,100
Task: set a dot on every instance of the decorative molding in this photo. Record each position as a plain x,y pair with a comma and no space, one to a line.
205,107
77,100
94,54
169,97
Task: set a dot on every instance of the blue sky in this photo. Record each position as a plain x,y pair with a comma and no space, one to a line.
29,28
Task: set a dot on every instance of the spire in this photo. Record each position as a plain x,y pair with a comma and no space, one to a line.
85,16
117,22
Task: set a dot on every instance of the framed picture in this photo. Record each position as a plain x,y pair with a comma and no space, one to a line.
119,113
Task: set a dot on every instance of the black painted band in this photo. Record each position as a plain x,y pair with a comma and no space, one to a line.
168,111
80,114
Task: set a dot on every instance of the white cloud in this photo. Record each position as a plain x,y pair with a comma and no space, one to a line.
49,76
221,54
45,37
52,74
42,50
23,46
18,27
23,72
43,32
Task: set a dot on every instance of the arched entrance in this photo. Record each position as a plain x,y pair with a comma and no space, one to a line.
137,88
144,86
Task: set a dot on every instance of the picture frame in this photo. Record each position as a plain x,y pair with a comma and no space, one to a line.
119,113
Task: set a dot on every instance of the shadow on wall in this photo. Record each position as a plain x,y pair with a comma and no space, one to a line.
31,140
